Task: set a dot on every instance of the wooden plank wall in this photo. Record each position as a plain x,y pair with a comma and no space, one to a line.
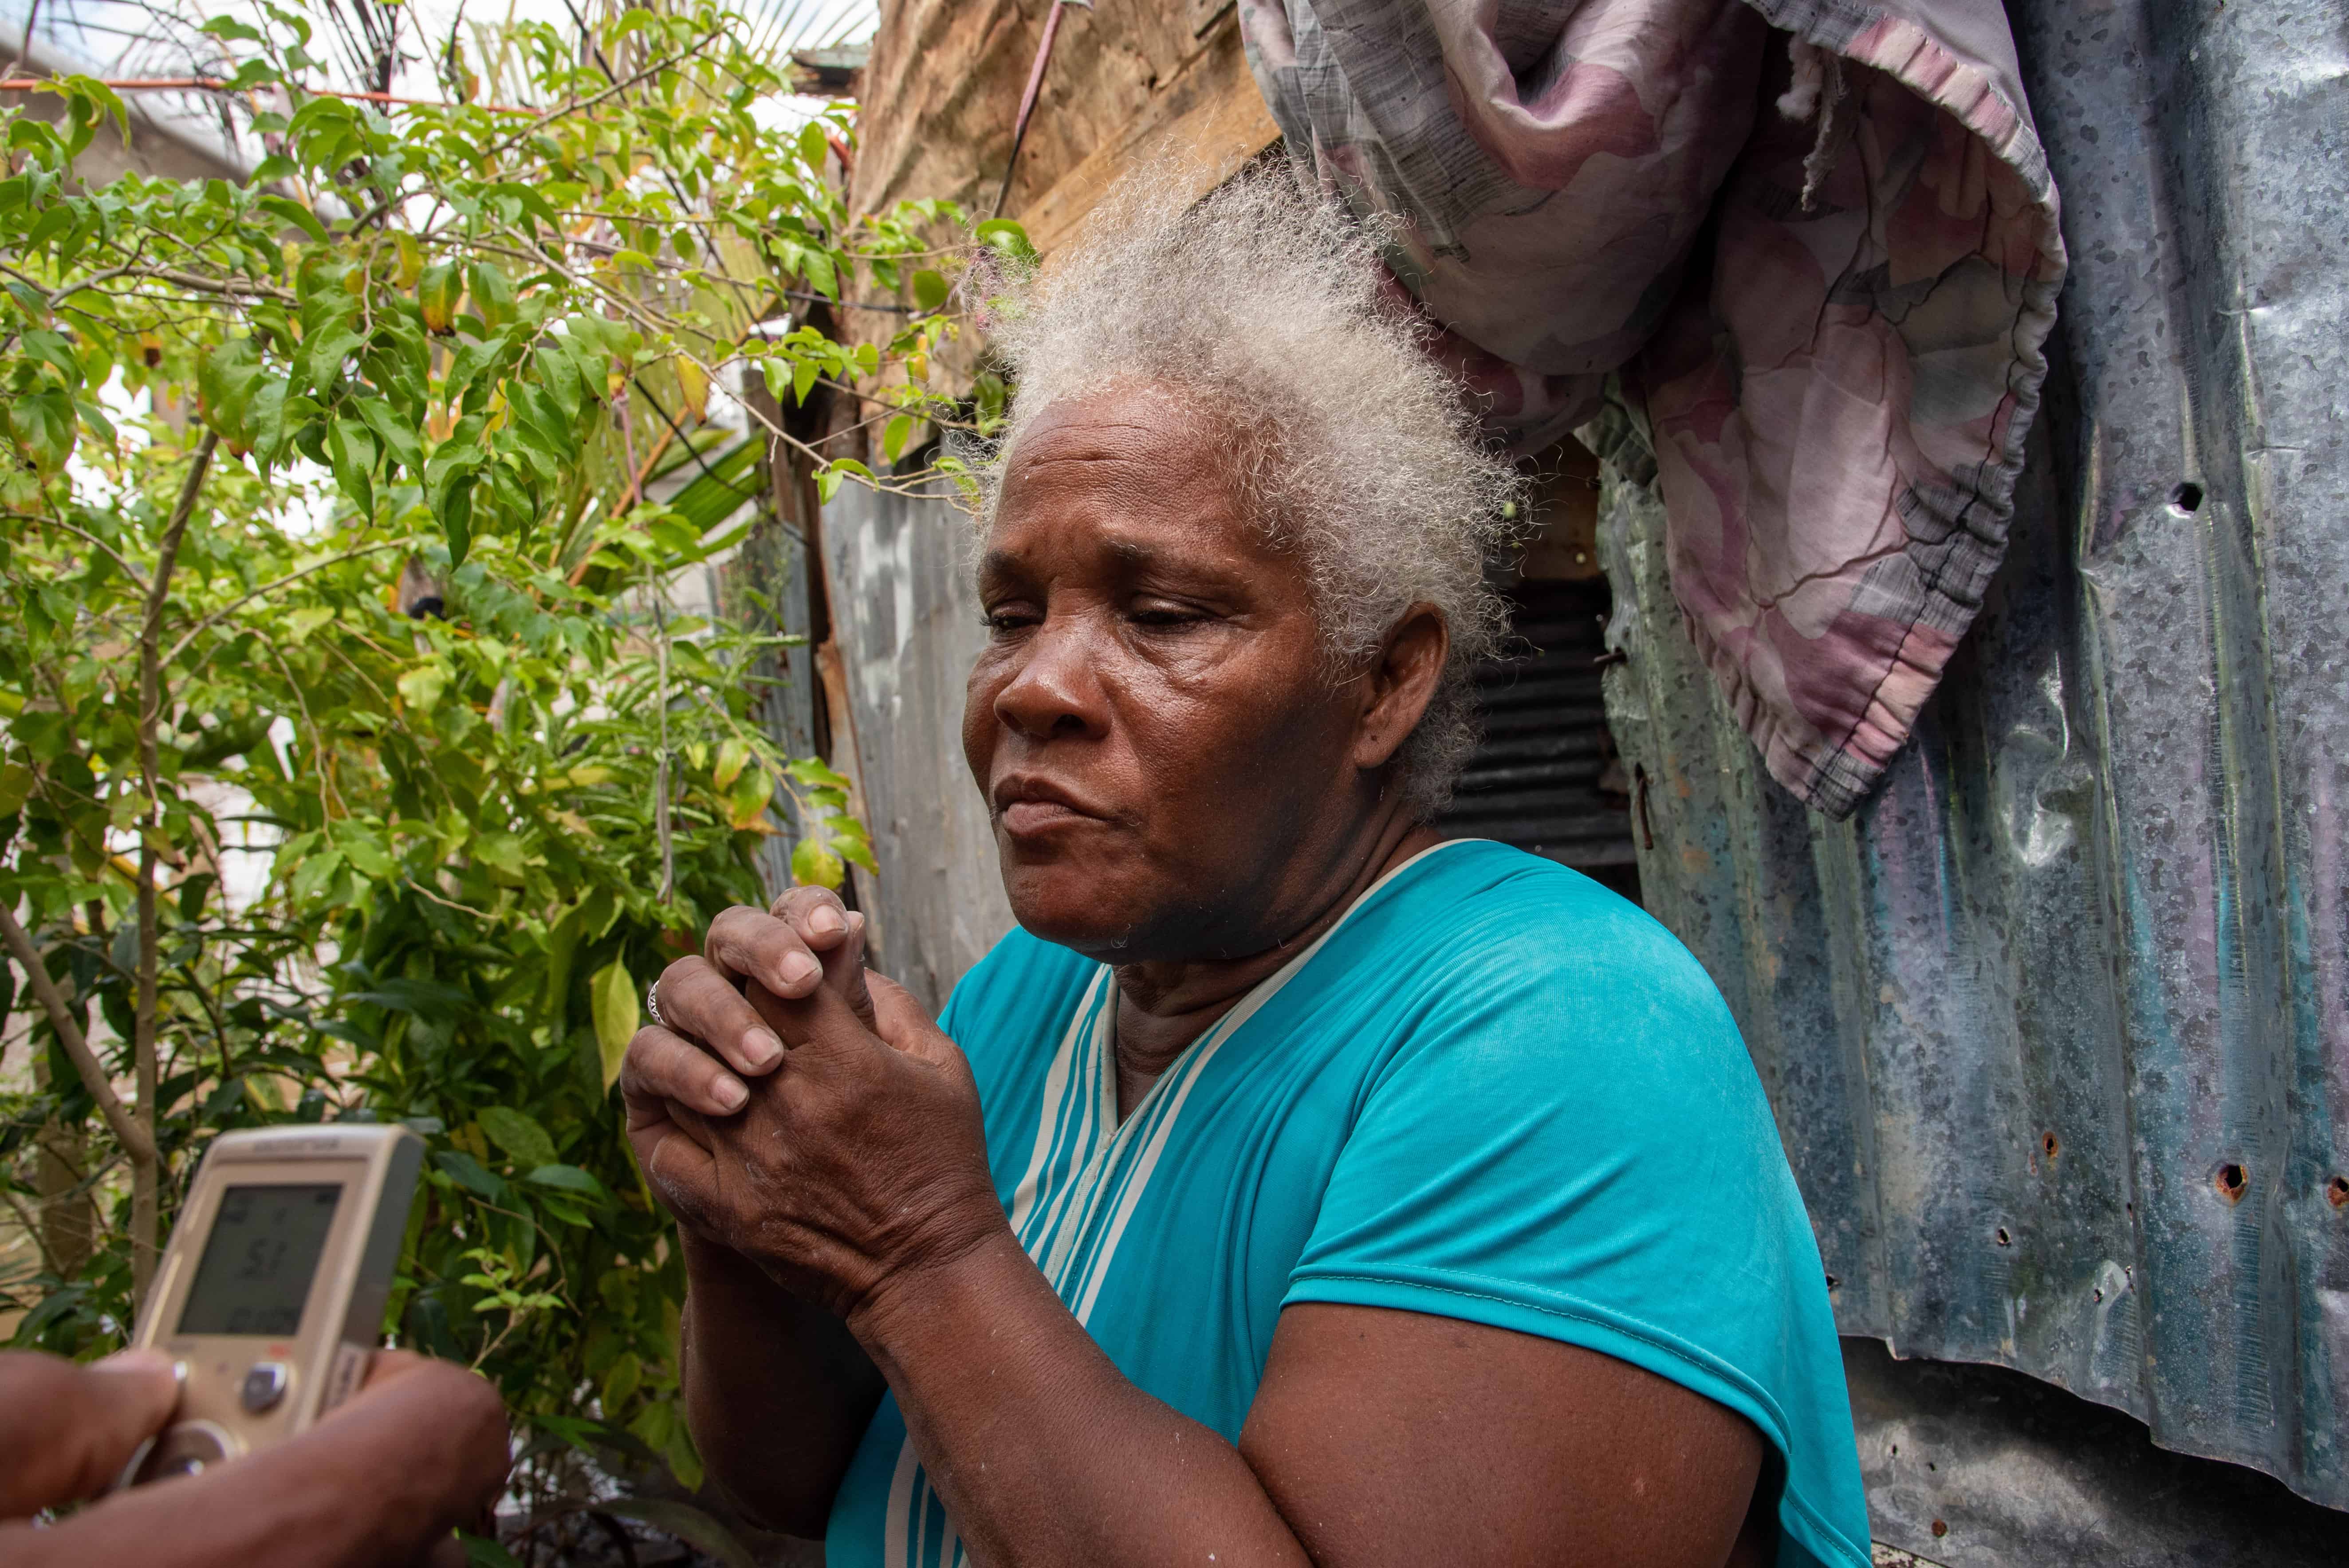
1128,83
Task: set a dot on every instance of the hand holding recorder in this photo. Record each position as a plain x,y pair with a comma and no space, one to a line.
382,1480
252,1415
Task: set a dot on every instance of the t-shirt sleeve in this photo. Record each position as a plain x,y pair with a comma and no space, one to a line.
1571,1141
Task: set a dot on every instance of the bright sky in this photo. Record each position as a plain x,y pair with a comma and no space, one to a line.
124,39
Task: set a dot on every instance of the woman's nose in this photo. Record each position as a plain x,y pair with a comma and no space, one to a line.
1056,689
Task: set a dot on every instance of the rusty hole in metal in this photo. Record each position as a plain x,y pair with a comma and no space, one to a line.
2050,1145
1832,1282
1941,1528
2098,1293
2336,1191
2230,1181
2003,1239
2187,496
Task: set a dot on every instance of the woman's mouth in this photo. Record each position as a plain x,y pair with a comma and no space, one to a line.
1024,817
1029,806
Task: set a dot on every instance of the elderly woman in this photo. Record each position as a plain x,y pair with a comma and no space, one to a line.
1292,1187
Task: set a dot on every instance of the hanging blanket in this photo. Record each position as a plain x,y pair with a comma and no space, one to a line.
1824,260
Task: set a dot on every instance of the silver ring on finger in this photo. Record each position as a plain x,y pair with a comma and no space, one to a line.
652,1003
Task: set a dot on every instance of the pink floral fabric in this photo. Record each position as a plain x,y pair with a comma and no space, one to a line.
1816,242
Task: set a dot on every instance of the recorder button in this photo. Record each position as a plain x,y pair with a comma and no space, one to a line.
264,1386
188,1449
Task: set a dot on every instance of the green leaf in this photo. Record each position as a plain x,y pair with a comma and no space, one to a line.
820,274
95,418
732,756
226,378
421,687
43,424
625,1376
930,291
893,437
470,1174
350,453
301,622
294,212
399,440
502,852
684,1521
612,993
437,289
851,840
52,348
569,1179
493,292
813,146
369,855
816,773
1005,235
519,1135
15,784
746,801
814,864
483,1553
457,521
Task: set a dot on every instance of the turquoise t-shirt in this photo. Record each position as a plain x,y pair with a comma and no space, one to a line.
1494,1091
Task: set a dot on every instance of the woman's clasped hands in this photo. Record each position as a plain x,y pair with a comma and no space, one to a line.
809,1116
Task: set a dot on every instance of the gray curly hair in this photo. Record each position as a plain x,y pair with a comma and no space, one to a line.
1266,309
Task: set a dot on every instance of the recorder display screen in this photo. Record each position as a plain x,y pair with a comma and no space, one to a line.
255,1272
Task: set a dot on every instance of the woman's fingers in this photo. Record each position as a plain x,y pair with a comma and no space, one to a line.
843,969
819,917
662,1066
700,1002
807,938
69,1430
669,1086
684,1176
905,1025
753,945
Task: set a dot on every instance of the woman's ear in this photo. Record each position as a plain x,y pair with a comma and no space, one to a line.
1399,683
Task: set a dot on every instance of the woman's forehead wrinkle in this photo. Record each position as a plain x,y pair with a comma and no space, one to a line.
1076,439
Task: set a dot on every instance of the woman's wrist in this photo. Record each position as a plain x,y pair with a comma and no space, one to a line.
944,1283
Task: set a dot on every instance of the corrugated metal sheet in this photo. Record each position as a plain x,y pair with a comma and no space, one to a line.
908,624
1544,776
2057,1024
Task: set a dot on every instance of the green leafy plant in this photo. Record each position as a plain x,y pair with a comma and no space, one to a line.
354,766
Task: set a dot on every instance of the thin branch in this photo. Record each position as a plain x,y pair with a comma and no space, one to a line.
449,902
118,1120
150,672
31,1226
691,450
206,85
144,1173
656,69
231,287
200,627
136,576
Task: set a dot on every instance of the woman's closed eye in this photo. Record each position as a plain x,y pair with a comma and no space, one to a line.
1160,615
1149,614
